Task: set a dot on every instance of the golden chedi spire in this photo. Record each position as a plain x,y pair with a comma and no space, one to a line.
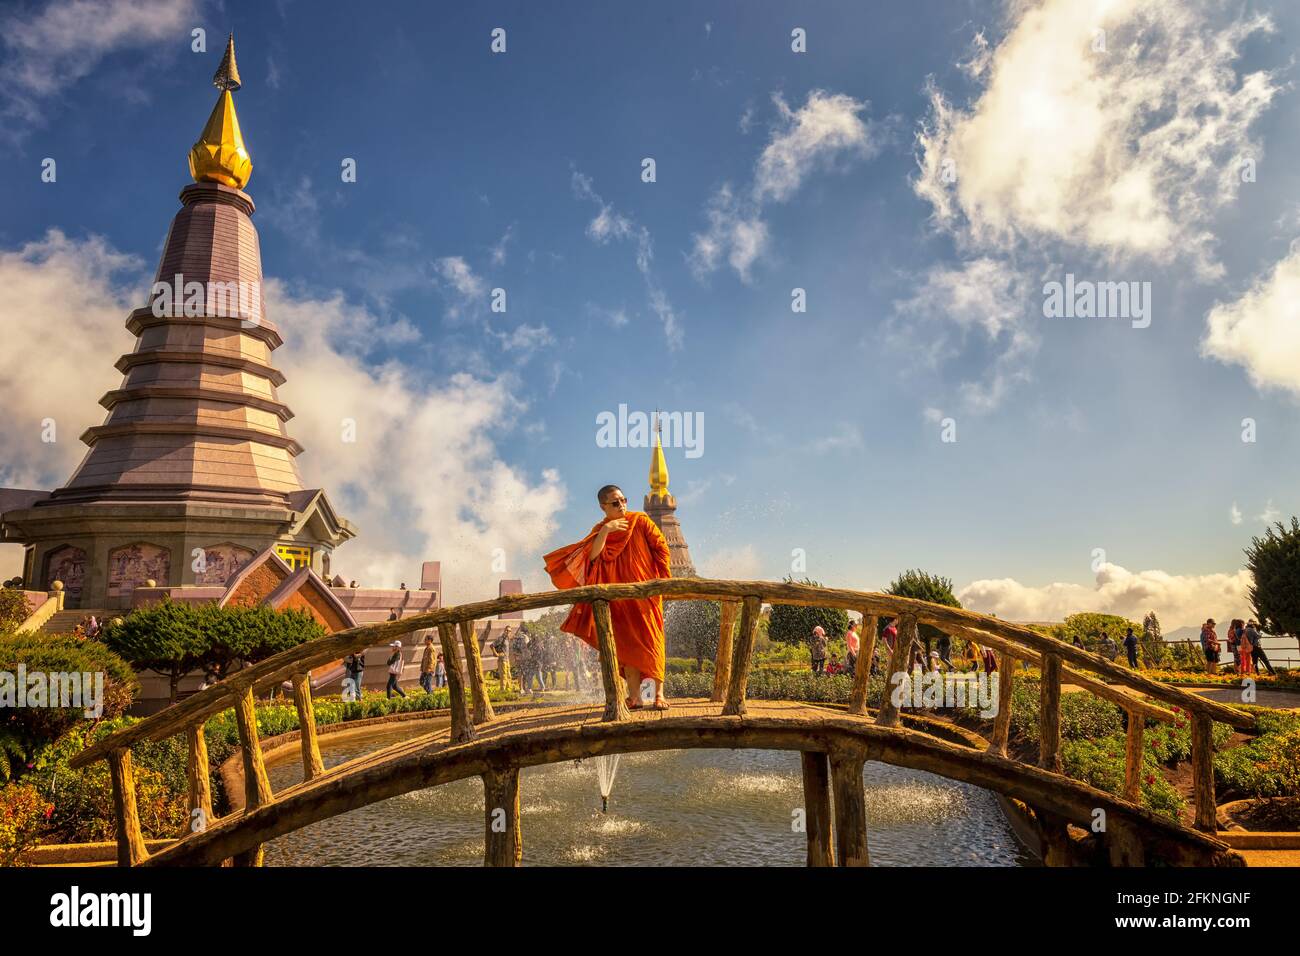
219,156
658,466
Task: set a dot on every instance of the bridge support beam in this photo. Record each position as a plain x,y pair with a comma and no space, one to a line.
850,807
1133,755
817,807
1203,772
477,686
461,728
1002,719
743,656
1123,846
503,843
862,673
131,849
616,689
200,777
312,765
899,663
1049,715
257,786
726,646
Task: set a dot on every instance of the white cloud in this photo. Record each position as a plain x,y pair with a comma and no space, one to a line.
49,51
1178,600
1260,330
1234,514
64,319
844,437
821,131
983,299
1124,152
524,339
465,289
825,130
499,249
424,479
1270,514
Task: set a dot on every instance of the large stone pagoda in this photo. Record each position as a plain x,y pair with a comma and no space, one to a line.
193,472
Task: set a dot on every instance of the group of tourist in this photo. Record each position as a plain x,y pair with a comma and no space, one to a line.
89,628
433,671
1245,644
539,659
938,659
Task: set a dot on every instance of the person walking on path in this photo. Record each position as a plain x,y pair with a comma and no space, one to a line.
426,665
944,647
355,665
1210,644
1258,656
851,647
440,672
394,670
817,646
1131,648
501,648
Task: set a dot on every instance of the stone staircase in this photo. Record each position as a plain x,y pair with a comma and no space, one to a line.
66,621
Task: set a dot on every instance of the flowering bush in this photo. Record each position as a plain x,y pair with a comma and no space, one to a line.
23,811
1100,763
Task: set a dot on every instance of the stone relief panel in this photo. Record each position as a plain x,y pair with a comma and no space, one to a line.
220,561
131,565
66,564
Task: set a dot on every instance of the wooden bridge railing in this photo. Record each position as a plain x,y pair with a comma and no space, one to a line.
742,599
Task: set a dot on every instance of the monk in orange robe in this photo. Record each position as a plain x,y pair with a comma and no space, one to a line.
625,547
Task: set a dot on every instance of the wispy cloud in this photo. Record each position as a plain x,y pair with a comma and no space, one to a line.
48,51
608,225
824,131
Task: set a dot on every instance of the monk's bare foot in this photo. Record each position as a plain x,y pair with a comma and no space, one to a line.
634,703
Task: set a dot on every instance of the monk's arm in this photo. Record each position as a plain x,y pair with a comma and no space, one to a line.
598,543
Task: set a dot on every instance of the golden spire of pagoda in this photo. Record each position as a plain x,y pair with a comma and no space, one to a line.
658,466
219,156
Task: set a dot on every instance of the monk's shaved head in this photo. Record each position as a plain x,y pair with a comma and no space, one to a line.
604,492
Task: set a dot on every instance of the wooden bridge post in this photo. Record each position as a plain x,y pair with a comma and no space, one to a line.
503,843
200,779
862,673
616,691
131,850
1123,846
1049,714
257,786
312,765
817,807
850,807
743,657
1203,772
899,660
726,646
1133,755
477,686
1002,719
461,728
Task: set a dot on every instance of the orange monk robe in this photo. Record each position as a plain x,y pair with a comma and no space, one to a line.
638,554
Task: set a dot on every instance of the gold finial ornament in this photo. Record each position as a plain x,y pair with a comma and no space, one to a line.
219,156
658,466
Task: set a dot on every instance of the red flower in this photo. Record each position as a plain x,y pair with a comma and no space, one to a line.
1151,778
49,810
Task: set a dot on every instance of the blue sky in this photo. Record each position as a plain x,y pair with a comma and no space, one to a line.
775,170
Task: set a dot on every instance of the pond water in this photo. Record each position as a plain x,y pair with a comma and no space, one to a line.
680,807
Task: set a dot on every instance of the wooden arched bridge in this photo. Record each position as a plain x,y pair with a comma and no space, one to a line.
834,743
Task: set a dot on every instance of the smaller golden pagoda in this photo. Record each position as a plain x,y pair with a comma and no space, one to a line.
219,156
661,506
